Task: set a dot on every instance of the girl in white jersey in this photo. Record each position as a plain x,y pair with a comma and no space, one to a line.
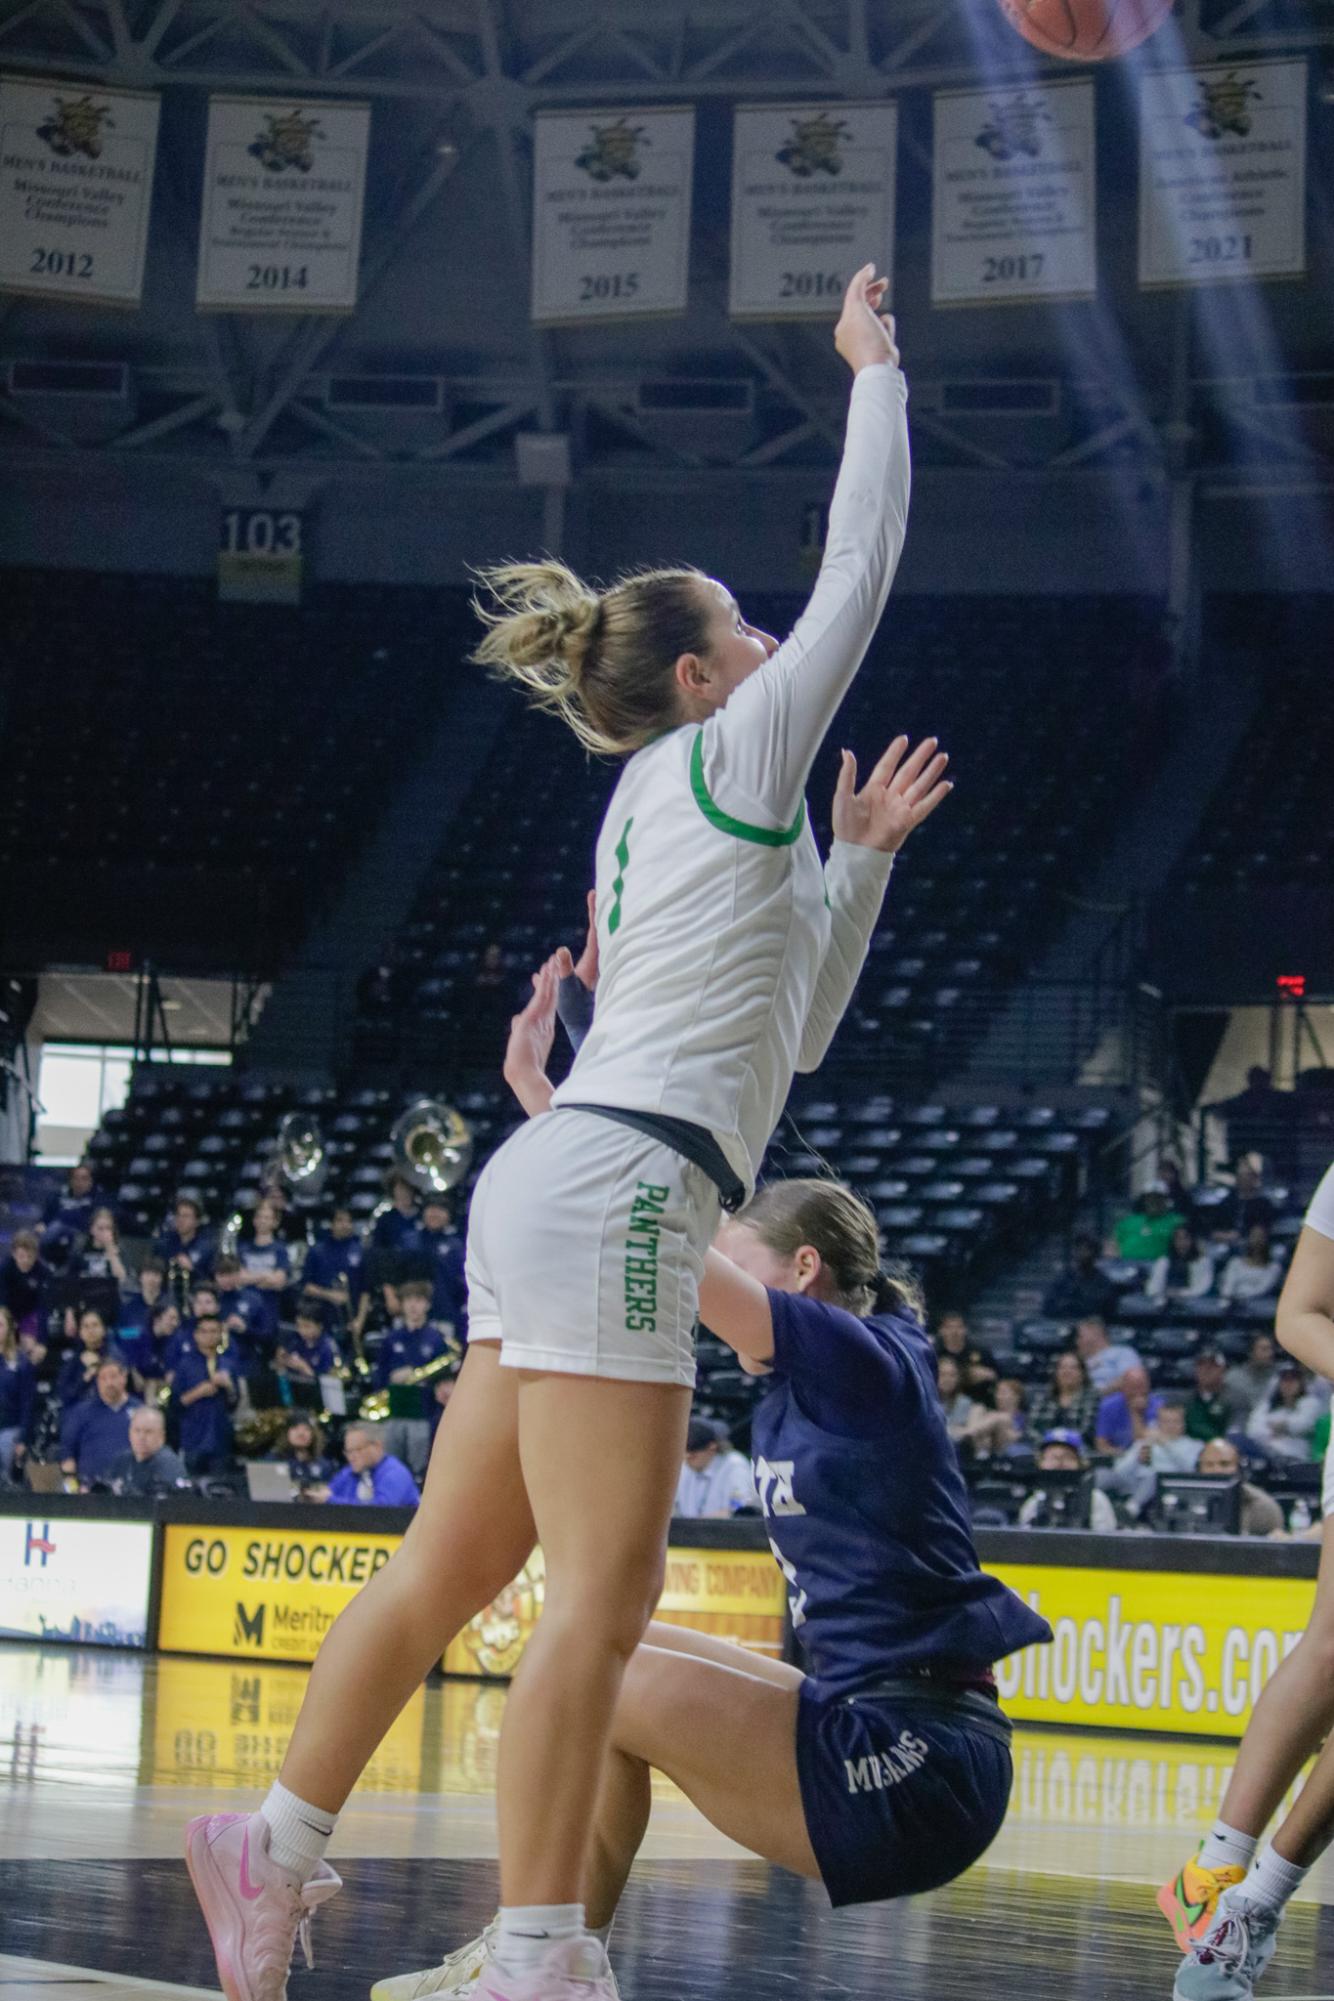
727,957
1224,1917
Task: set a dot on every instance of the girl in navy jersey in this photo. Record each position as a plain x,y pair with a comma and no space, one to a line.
884,1769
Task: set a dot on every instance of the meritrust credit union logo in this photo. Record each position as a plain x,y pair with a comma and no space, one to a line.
248,1627
37,1549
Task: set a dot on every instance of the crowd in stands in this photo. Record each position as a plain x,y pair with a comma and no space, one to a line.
1154,1362
143,1372
138,1370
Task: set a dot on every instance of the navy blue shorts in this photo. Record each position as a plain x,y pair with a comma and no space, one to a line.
903,1791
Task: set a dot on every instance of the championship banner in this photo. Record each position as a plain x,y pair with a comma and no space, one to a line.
284,184
266,1594
85,1582
1222,176
1149,1649
76,186
812,201
611,213
1013,211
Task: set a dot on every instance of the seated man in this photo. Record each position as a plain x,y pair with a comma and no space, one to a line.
715,1481
96,1432
150,1466
412,1342
1105,1360
1260,1513
1128,1412
1062,1451
1164,1448
68,1214
1145,1232
371,1478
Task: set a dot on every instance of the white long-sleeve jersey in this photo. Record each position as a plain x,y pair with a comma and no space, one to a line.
727,954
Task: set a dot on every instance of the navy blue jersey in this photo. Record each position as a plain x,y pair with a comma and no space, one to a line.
408,1348
391,1226
866,1507
333,1261
438,1257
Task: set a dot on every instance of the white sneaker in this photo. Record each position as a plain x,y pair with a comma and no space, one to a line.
456,1974
1226,1963
570,1970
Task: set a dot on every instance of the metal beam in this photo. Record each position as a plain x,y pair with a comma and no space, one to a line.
160,427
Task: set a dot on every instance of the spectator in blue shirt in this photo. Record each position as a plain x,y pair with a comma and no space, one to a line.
136,1312
1128,1413
92,1346
1105,1360
185,1246
434,1251
244,1309
204,1393
18,1398
68,1214
334,1271
267,1265
399,1220
24,1280
371,1478
303,1453
411,1342
312,1353
155,1354
96,1431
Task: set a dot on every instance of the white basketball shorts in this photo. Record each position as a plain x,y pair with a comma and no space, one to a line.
586,1244
1327,1483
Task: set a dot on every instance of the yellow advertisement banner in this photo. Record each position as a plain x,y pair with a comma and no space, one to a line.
1149,1649
272,1594
266,1594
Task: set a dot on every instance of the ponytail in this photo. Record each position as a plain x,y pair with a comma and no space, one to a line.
604,662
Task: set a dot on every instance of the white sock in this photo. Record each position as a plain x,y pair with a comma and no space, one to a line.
526,1930
1227,1848
1271,1882
298,1832
602,1933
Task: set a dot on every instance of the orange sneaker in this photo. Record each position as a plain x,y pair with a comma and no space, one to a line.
1190,1900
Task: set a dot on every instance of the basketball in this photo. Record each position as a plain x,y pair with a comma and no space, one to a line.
1086,31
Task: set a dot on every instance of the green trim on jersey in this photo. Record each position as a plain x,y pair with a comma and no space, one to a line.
741,830
622,852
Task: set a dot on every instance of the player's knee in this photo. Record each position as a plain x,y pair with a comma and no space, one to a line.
613,1603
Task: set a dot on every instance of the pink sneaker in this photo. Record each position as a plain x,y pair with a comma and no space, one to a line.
571,1970
253,1909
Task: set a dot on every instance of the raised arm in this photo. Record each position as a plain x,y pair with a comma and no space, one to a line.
735,1307
757,751
870,827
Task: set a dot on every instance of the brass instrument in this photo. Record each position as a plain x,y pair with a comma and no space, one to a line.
298,1162
432,1146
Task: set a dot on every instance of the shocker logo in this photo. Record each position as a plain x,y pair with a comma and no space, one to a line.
248,1627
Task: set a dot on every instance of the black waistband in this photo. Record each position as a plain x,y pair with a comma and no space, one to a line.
694,1143
965,1705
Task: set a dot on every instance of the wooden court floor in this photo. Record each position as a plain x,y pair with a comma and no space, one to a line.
105,1756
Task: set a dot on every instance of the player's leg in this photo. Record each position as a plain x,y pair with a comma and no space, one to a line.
601,1460
724,1653
258,1875
1294,1714
727,1738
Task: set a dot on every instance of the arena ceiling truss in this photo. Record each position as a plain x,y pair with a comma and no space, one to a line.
444,286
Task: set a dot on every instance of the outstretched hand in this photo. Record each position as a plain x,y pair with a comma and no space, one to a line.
532,1032
896,798
586,965
864,335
